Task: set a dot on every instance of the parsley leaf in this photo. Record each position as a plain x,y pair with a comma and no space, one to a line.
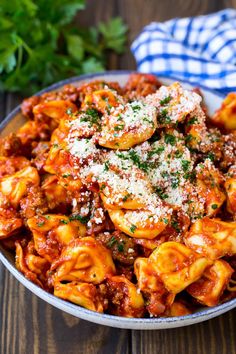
41,45
170,139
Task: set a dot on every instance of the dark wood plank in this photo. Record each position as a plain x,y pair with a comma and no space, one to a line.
211,337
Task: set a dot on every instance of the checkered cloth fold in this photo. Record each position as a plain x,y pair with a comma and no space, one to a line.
201,50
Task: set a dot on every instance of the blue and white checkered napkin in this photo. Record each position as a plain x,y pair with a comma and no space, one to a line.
201,50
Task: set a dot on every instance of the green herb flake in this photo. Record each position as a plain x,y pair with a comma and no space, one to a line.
170,139
119,127
63,221
175,225
126,197
165,100
41,223
82,219
111,242
106,166
133,228
191,121
120,247
214,206
163,117
185,165
166,221
211,156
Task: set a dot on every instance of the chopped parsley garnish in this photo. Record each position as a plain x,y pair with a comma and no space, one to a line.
120,247
63,221
136,108
133,228
161,193
190,176
170,139
185,165
41,223
82,219
119,127
66,175
103,186
106,165
136,160
111,242
91,116
178,154
175,225
155,151
214,206
175,183
165,100
191,121
126,197
166,221
163,117
211,156
114,242
188,138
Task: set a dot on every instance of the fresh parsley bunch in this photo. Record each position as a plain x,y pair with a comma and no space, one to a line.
39,44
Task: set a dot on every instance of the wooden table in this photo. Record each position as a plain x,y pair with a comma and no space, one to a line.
28,325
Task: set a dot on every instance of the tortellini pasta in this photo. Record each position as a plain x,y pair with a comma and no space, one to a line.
83,294
212,238
84,260
177,265
211,285
15,186
51,232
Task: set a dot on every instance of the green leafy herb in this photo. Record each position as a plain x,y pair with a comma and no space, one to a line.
211,156
41,223
40,44
63,221
175,225
191,121
111,242
170,139
91,116
106,165
120,247
185,165
119,127
82,219
161,193
133,228
166,221
136,160
126,197
165,100
163,117
155,151
214,206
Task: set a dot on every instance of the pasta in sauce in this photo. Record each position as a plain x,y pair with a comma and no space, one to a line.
123,199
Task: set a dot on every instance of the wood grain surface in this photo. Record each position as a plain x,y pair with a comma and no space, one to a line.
28,325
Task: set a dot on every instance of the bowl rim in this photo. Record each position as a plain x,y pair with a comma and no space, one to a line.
101,318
